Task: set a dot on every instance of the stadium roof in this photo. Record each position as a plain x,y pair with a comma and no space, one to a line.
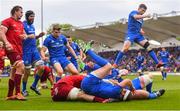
160,27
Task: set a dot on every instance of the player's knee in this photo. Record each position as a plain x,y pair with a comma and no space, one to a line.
109,66
147,46
19,65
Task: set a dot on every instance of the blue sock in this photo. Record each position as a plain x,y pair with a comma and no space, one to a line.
165,74
152,96
36,79
24,86
99,60
119,57
162,72
153,56
58,78
149,87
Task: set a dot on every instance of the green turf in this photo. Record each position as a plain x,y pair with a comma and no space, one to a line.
169,101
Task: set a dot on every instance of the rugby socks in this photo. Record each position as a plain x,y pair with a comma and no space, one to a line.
24,86
99,60
165,74
149,87
153,56
17,82
10,87
36,79
162,72
58,78
152,96
119,57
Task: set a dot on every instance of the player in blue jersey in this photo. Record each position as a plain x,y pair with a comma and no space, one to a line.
164,55
140,62
55,43
93,83
30,52
135,34
76,49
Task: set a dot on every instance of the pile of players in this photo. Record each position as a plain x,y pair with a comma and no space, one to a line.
100,81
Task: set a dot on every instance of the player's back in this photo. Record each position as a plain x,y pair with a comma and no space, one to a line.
74,80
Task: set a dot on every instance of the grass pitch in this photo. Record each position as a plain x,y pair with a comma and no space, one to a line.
169,101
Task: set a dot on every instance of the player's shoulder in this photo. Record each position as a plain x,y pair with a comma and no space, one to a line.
133,12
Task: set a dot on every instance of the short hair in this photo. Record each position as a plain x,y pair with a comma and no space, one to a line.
143,6
67,36
56,27
15,9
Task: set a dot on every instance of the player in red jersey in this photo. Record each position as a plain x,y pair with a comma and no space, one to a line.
44,73
12,33
68,88
2,55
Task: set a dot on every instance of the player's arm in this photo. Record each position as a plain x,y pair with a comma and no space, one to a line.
40,35
71,50
142,31
125,83
137,16
25,36
3,30
43,53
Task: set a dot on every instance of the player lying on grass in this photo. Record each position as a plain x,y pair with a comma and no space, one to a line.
94,85
116,74
68,88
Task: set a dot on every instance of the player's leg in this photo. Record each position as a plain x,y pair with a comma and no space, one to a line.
105,65
39,65
27,62
15,76
164,71
1,67
121,53
15,81
59,70
146,45
146,81
142,94
71,69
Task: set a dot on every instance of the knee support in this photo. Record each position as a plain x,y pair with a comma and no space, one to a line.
147,46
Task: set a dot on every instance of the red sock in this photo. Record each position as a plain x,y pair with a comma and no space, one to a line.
11,87
17,82
98,99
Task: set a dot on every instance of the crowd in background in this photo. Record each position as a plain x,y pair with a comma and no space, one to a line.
129,62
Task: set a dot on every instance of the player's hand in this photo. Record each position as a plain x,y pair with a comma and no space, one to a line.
23,36
31,36
133,91
8,46
41,34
